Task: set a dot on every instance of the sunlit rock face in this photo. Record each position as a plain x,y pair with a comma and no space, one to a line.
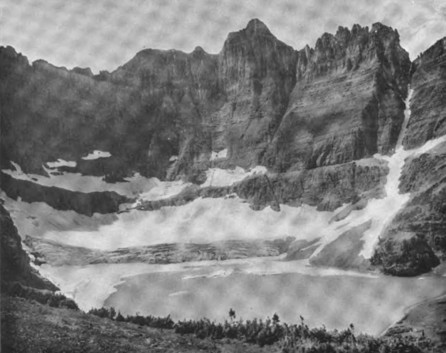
428,120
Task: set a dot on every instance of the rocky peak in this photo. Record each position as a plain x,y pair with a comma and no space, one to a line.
8,51
198,52
382,29
435,52
10,60
253,67
349,49
253,51
255,27
83,71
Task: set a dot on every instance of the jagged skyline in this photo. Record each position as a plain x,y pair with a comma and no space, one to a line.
105,34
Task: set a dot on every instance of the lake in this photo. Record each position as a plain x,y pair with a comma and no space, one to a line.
261,288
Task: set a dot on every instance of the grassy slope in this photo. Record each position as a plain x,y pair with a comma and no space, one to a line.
427,318
28,326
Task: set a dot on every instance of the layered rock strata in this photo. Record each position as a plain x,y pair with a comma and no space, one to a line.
428,117
258,98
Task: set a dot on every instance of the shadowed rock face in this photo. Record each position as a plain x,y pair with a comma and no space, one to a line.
15,265
259,98
428,117
62,199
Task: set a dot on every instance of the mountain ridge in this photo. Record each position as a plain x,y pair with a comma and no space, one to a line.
196,102
314,117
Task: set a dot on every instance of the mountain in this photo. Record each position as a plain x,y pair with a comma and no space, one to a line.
314,119
330,158
259,98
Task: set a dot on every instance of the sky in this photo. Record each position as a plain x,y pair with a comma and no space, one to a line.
104,34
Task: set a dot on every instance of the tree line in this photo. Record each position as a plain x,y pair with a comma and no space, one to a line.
295,338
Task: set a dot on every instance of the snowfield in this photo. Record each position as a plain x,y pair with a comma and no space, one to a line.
96,154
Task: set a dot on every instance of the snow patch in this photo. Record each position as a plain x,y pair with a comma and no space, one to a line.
61,163
219,155
181,292
131,187
227,177
164,190
198,221
91,285
96,154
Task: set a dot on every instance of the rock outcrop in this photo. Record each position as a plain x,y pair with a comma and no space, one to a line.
15,263
62,199
327,188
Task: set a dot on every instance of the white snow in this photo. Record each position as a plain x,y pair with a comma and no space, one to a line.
227,177
164,190
38,218
202,220
97,154
131,187
219,155
61,163
91,285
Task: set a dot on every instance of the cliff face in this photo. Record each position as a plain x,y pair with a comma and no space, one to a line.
414,241
143,113
348,100
257,74
428,119
15,265
259,99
